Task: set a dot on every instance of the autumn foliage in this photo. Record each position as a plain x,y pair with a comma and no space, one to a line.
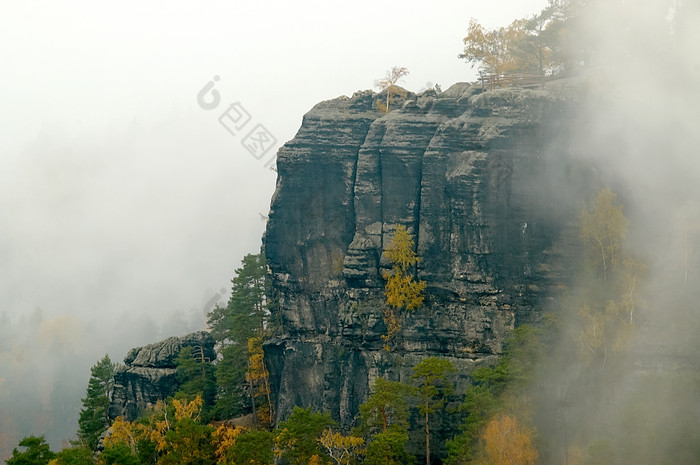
402,291
508,443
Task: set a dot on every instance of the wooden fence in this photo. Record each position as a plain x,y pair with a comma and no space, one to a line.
517,80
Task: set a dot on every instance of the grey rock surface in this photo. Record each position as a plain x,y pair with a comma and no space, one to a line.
483,183
149,374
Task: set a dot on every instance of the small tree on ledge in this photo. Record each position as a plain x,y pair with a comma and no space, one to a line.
401,290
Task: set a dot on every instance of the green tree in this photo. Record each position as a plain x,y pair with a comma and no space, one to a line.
388,448
230,379
492,388
244,317
74,456
253,447
94,416
195,374
401,290
298,437
386,408
246,311
188,442
37,452
434,387
118,454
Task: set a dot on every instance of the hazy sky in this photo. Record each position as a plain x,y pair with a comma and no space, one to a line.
118,192
124,205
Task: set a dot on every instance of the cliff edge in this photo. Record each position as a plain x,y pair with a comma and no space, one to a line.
482,182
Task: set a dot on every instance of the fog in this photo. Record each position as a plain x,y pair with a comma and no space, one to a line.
639,128
125,205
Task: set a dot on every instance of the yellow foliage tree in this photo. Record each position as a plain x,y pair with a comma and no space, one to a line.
259,380
528,45
608,312
224,438
188,409
604,229
388,84
401,290
315,460
343,450
494,49
125,432
505,442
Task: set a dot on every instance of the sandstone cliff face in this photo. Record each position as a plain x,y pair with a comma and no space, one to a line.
470,176
149,374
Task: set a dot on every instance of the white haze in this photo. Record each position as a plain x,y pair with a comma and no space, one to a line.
125,206
640,128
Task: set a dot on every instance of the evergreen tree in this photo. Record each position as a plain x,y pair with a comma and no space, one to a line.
94,416
74,456
118,454
433,390
246,310
196,376
232,326
253,447
388,448
385,408
298,437
37,452
493,388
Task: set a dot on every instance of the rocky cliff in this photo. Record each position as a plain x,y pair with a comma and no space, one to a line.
477,178
149,374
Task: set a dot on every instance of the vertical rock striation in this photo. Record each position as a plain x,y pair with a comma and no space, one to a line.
470,175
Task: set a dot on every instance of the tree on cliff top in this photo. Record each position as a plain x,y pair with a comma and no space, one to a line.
531,45
388,84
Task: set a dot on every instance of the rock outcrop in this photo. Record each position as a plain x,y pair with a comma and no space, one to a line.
477,177
149,374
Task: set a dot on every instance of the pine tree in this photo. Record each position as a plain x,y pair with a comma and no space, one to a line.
94,416
195,373
37,452
232,326
433,389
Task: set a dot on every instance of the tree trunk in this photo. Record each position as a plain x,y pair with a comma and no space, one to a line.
252,395
427,435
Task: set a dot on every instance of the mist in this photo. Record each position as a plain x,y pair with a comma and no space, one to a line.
125,205
638,129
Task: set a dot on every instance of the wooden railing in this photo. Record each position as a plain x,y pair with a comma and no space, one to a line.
492,81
